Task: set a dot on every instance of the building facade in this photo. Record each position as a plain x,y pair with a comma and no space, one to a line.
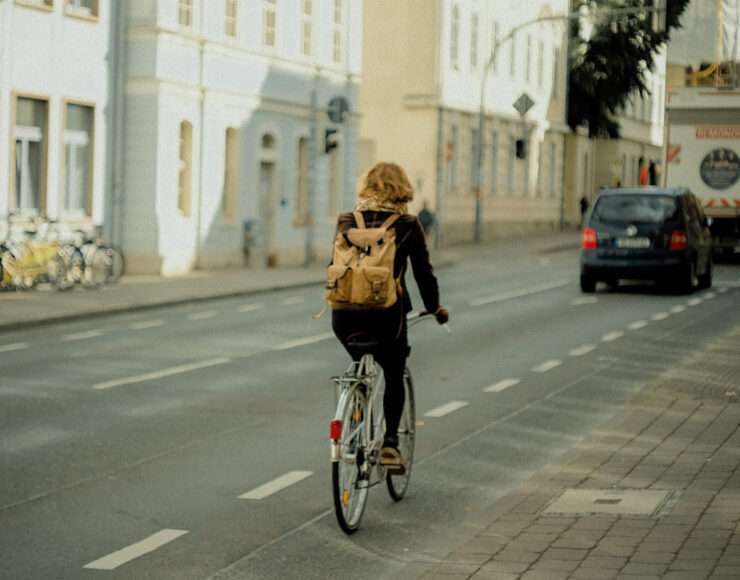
422,95
191,132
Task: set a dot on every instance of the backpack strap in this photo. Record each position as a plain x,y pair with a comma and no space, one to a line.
387,223
359,220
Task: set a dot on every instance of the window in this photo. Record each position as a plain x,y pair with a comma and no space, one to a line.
78,159
454,38
494,160
338,23
555,71
30,155
231,176
269,17
301,194
185,13
512,54
540,64
87,8
307,26
40,3
231,17
185,168
474,42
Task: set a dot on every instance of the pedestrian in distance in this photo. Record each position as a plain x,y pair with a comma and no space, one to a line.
428,222
383,198
584,208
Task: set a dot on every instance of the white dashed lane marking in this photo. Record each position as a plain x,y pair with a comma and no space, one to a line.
14,346
518,293
694,302
146,324
502,385
547,365
293,300
116,559
82,335
202,315
678,309
659,316
610,336
446,409
276,485
584,300
251,307
161,374
637,325
581,350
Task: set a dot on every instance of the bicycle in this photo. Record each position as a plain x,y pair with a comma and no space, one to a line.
357,433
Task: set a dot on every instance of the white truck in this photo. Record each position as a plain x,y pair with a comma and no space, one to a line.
702,153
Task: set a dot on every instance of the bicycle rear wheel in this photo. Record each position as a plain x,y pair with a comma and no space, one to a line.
397,484
349,486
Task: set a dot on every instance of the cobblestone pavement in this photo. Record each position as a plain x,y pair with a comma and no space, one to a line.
654,494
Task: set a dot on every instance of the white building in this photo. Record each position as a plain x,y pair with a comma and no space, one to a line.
54,96
172,123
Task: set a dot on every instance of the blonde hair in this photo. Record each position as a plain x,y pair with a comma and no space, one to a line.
385,186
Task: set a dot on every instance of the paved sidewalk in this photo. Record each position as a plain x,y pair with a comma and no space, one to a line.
666,500
23,309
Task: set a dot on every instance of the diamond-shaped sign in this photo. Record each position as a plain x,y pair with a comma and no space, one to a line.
523,104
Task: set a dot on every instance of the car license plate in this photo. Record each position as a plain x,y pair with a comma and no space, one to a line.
632,242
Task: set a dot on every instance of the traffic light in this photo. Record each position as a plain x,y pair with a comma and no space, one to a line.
330,140
521,152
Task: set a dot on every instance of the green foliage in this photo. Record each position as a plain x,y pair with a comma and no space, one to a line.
612,65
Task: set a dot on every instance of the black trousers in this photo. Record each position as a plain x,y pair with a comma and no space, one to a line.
388,327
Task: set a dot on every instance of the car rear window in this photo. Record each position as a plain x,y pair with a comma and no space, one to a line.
643,209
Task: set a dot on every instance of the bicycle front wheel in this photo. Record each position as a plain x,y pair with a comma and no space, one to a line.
349,484
397,484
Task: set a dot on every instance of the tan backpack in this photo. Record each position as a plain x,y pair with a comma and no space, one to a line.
361,274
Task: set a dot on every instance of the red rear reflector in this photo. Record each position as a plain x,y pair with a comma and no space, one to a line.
678,240
588,239
336,430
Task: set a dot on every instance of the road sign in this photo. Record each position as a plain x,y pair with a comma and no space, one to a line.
523,104
338,109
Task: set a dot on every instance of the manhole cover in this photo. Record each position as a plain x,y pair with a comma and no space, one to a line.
633,502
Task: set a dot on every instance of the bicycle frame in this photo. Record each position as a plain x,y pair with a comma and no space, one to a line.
364,373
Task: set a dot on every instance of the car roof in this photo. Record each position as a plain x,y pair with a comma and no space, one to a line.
674,191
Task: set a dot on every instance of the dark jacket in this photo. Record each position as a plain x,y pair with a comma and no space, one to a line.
410,243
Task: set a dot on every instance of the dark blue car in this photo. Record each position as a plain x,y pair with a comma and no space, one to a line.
646,234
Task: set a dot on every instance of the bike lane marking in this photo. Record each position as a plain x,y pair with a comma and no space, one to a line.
277,484
161,374
519,293
14,346
501,385
446,409
116,559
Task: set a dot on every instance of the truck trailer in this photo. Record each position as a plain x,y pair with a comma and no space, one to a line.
702,153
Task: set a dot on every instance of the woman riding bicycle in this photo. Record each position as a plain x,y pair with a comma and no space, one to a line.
385,190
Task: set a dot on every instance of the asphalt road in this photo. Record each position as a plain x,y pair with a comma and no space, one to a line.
127,441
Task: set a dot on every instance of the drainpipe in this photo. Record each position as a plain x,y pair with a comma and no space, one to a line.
113,219
199,215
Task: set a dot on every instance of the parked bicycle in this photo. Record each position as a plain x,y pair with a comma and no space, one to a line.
358,430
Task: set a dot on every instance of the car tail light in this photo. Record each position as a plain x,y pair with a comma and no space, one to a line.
588,239
678,240
335,432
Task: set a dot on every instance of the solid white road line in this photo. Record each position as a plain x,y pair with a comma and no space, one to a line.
678,309
581,350
276,485
637,324
519,293
161,374
446,409
610,336
304,341
293,300
116,559
14,346
251,307
146,324
82,335
202,315
501,385
547,365
659,316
